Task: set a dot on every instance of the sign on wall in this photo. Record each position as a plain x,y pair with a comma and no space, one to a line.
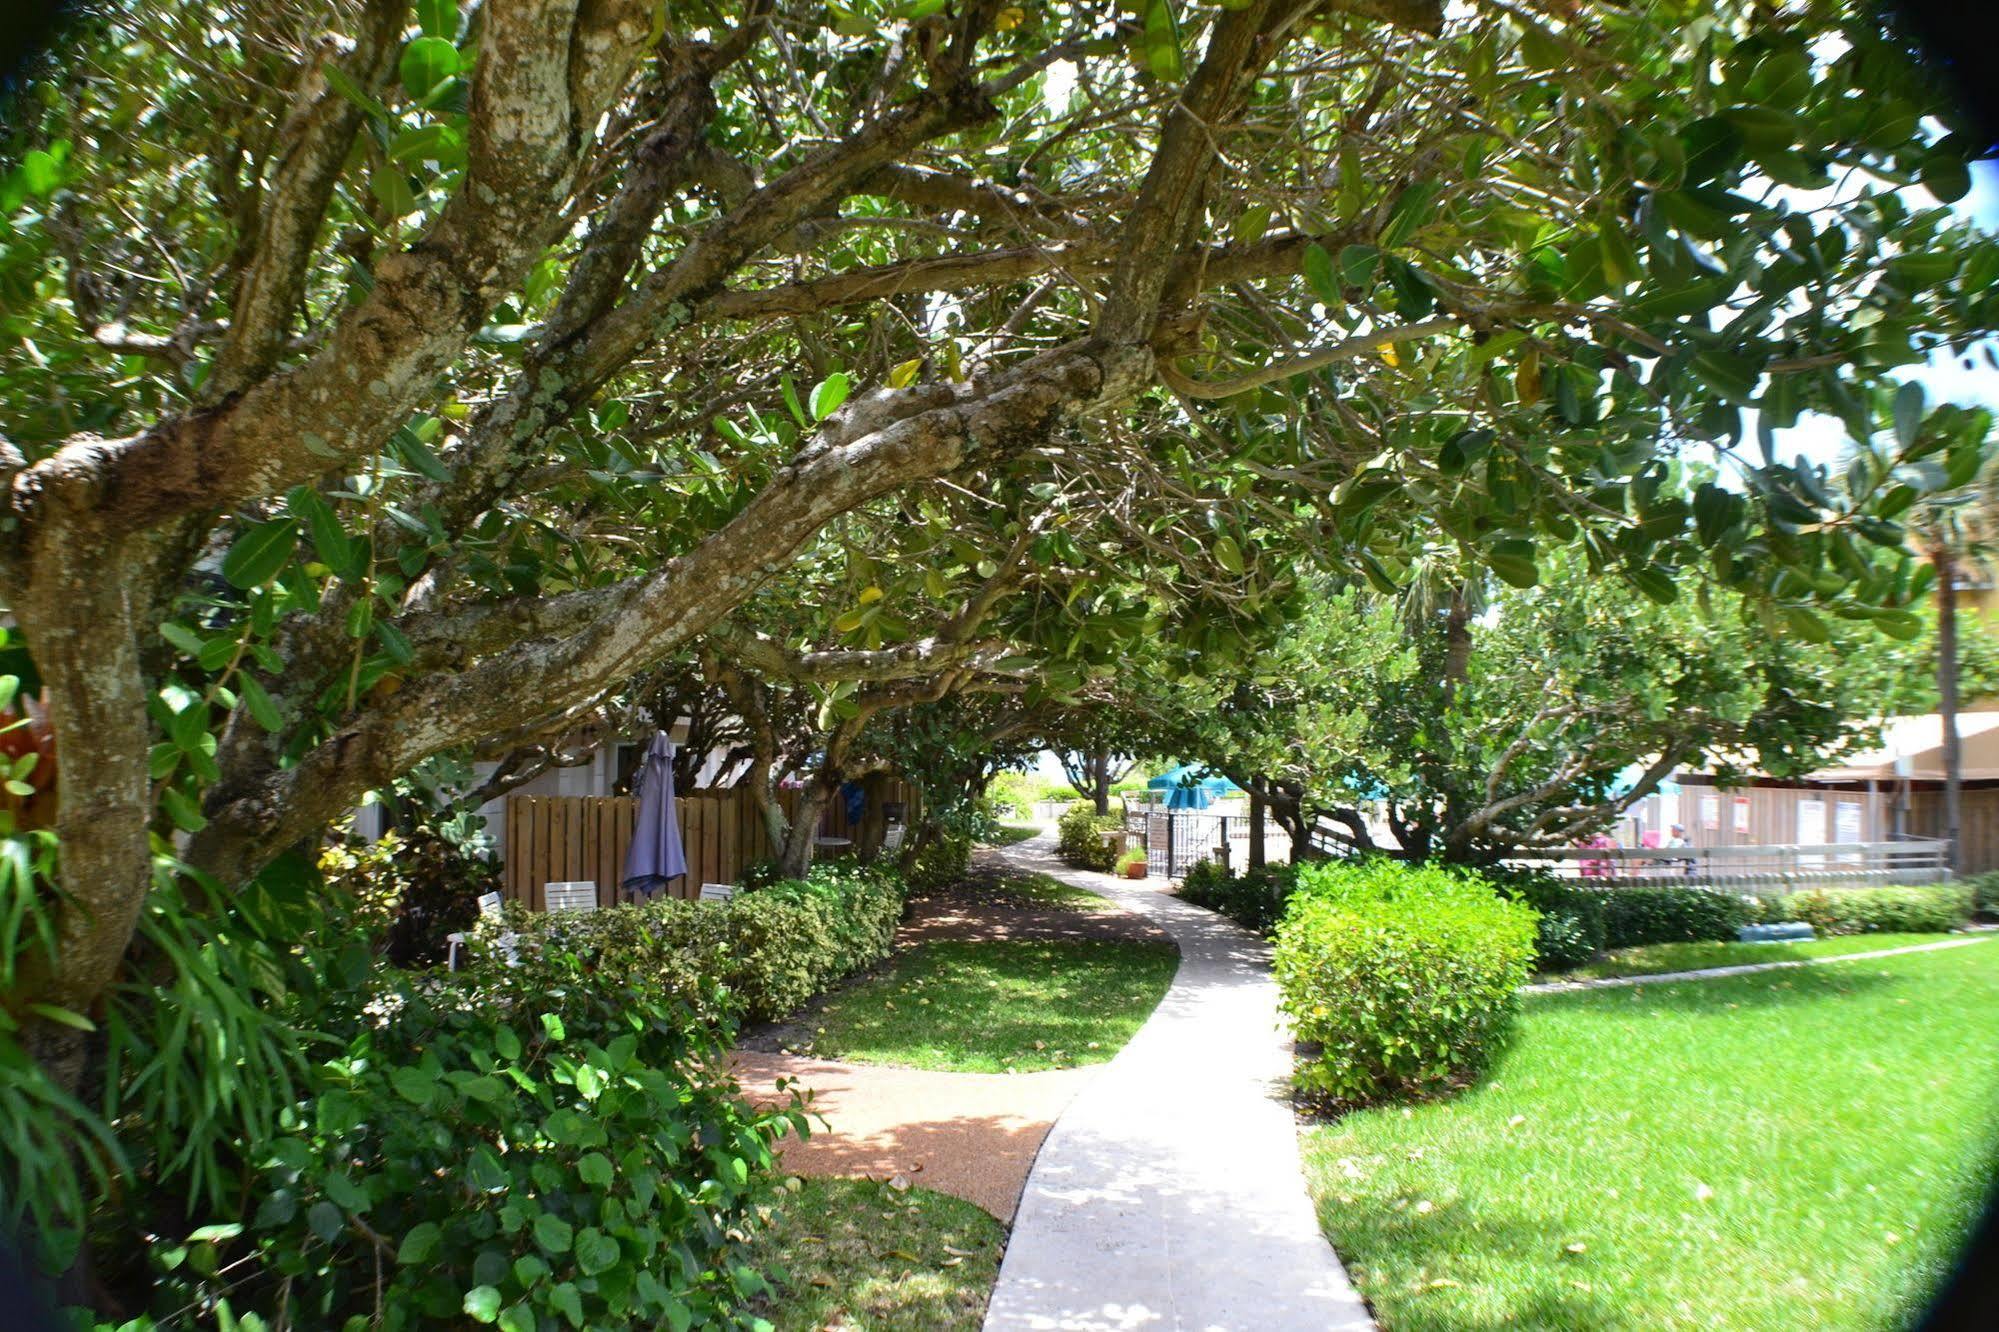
1742,815
1711,812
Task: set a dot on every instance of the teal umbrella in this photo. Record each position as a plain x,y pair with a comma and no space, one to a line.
1190,786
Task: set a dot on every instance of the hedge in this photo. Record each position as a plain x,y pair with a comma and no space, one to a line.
770,948
1404,977
1888,910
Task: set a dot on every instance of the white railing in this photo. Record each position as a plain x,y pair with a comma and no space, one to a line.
1747,869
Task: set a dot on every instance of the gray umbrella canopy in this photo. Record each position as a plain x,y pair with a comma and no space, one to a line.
655,855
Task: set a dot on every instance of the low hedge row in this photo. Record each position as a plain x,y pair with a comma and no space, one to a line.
1403,976
1254,899
770,949
1887,910
1578,921
1079,836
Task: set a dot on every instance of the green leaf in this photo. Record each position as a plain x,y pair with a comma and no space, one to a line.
259,703
1358,265
1250,225
438,17
596,1252
1412,209
905,374
325,1221
427,62
1946,176
1513,562
1318,269
1655,583
553,1234
62,1017
414,1085
181,808
595,1170
1228,554
420,1243
255,557
828,394
482,1304
1908,414
1160,38
395,643
391,189
1463,449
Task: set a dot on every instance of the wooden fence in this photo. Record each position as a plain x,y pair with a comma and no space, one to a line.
552,839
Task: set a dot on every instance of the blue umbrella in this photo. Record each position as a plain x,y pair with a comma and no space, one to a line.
1190,787
655,855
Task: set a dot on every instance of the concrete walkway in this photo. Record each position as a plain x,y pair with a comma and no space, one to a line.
1169,1193
1743,969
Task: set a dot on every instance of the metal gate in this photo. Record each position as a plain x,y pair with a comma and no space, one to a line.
1175,839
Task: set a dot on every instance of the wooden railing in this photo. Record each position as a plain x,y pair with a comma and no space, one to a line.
1748,869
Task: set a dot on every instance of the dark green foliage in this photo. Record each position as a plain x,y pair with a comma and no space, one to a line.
1984,892
942,860
1679,914
522,1145
1254,899
772,948
1886,910
421,886
1403,976
1080,837
1571,928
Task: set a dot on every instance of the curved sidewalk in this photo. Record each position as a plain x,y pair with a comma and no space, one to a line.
1169,1193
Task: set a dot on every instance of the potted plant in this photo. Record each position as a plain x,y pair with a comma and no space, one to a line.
1131,865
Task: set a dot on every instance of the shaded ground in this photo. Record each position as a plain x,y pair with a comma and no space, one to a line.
971,1134
851,1253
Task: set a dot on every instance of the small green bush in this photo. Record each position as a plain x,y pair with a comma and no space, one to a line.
1079,836
1887,910
410,890
1403,976
1254,899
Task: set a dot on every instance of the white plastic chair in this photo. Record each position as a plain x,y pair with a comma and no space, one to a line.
573,895
717,892
489,907
892,839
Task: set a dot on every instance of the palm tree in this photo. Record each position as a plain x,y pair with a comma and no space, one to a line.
1957,530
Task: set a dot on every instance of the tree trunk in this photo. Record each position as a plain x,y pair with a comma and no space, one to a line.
797,857
1256,851
1953,750
1100,781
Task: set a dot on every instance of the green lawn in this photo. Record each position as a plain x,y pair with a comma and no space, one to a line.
1794,1149
852,1253
1655,958
1047,890
1007,834
986,1007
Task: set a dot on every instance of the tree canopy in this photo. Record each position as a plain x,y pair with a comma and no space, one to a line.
379,380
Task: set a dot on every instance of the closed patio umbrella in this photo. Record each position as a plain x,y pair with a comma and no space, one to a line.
655,855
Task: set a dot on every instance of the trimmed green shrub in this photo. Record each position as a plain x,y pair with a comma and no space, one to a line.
415,888
1079,836
1254,899
770,948
1681,914
1886,910
1403,976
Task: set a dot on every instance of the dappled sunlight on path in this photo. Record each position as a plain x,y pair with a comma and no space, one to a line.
1169,1193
